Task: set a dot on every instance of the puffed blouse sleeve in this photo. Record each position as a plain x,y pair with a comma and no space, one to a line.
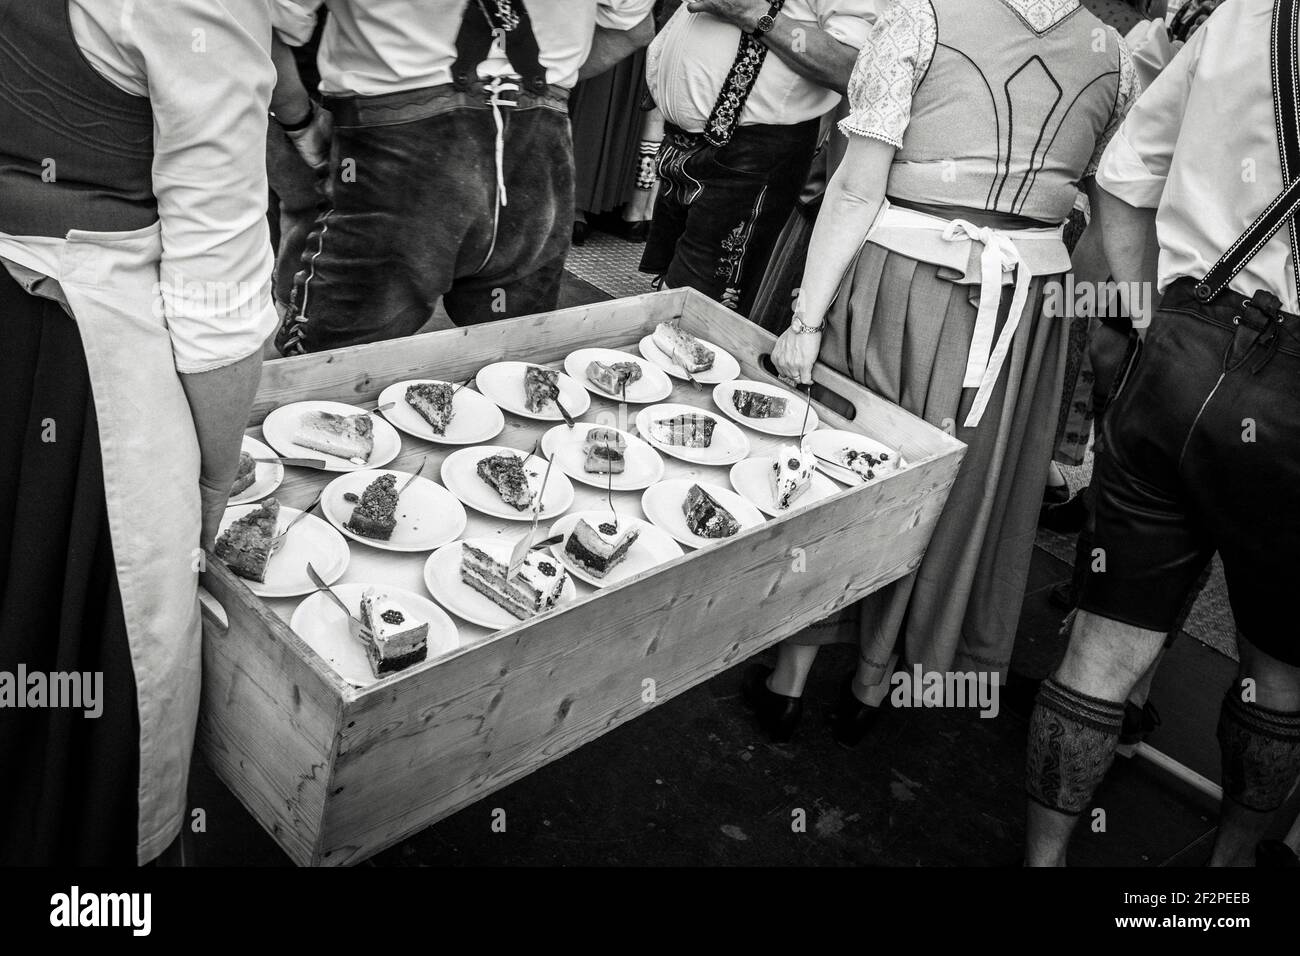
890,66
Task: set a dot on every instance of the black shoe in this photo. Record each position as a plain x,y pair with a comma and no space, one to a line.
1064,595
852,720
777,714
1275,855
1067,518
1138,723
580,232
638,231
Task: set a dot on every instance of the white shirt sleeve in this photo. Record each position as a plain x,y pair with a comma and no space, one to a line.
294,20
210,76
1136,163
891,64
850,21
622,14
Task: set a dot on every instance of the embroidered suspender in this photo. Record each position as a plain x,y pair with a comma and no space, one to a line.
736,88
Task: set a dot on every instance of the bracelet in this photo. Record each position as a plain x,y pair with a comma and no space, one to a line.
303,123
799,327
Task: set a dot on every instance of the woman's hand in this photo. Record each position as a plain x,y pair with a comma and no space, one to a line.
795,355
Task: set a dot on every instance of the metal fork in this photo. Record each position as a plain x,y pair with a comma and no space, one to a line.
278,541
355,626
406,484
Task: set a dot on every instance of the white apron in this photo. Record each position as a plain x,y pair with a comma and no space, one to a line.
109,283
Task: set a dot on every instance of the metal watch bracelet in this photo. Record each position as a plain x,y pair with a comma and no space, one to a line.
802,328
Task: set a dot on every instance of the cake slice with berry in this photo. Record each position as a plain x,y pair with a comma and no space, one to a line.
375,514
396,638
791,474
245,546
433,400
598,549
534,588
866,465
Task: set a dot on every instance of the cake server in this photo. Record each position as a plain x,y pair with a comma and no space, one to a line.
297,462
355,626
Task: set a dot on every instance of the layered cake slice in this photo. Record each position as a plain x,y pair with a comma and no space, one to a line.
597,550
691,430
397,638
541,386
245,546
433,400
245,475
374,517
505,472
706,517
792,472
347,436
758,404
684,349
535,588
606,452
613,378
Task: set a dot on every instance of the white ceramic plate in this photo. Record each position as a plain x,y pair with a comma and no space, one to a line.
503,383
442,578
281,425
662,504
652,548
266,475
653,386
752,480
460,475
829,442
310,540
729,443
790,425
428,515
643,465
725,366
474,418
321,623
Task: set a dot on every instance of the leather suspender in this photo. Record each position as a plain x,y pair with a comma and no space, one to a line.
1286,113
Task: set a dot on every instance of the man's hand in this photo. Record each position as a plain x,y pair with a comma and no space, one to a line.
740,13
313,141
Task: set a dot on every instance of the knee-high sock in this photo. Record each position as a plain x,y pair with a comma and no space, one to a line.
1261,753
1072,741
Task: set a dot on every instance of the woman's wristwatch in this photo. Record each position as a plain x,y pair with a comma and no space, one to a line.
800,327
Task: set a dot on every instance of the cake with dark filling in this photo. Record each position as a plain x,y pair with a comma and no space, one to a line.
758,404
706,517
536,587
690,430
396,638
433,400
541,387
684,349
346,436
374,516
614,377
505,472
245,546
245,474
598,549
606,452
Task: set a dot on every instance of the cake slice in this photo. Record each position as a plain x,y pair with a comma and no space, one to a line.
684,349
397,638
373,517
706,517
245,546
597,550
541,386
535,588
347,436
245,474
613,378
606,452
758,404
505,473
690,430
433,400
792,472
866,465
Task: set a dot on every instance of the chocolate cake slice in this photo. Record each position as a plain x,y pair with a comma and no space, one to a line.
245,475
373,517
597,550
705,517
397,638
433,400
758,404
541,386
245,546
505,472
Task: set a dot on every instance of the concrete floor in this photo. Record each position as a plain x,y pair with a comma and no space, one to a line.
694,782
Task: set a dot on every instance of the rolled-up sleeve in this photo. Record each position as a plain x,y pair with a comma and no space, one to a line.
622,14
294,20
210,79
1136,163
849,21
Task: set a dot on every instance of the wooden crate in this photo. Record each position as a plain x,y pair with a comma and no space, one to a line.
336,773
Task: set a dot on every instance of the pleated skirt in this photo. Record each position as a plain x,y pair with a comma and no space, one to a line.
903,328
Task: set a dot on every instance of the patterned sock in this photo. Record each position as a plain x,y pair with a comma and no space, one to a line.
647,166
1260,750
1072,741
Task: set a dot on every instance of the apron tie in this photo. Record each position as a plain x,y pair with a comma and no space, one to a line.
985,359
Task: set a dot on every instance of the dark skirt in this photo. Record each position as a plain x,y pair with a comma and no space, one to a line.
70,782
606,115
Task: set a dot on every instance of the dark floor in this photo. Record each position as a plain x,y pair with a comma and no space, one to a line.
693,782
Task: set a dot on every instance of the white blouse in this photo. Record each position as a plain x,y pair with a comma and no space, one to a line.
897,54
